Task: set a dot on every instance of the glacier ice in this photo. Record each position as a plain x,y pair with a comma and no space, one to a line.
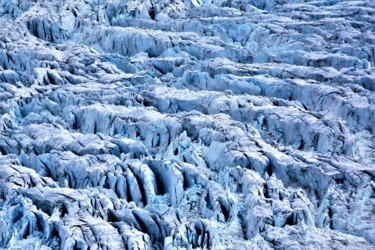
187,124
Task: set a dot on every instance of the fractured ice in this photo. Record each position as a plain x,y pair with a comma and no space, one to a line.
187,124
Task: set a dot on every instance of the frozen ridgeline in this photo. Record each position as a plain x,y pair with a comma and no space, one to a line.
187,124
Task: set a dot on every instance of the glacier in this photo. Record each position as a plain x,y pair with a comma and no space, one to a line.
187,124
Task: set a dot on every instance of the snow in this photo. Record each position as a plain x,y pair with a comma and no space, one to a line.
187,124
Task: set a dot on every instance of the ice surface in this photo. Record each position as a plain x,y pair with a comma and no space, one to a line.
187,124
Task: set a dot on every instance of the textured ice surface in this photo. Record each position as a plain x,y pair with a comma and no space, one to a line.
187,124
